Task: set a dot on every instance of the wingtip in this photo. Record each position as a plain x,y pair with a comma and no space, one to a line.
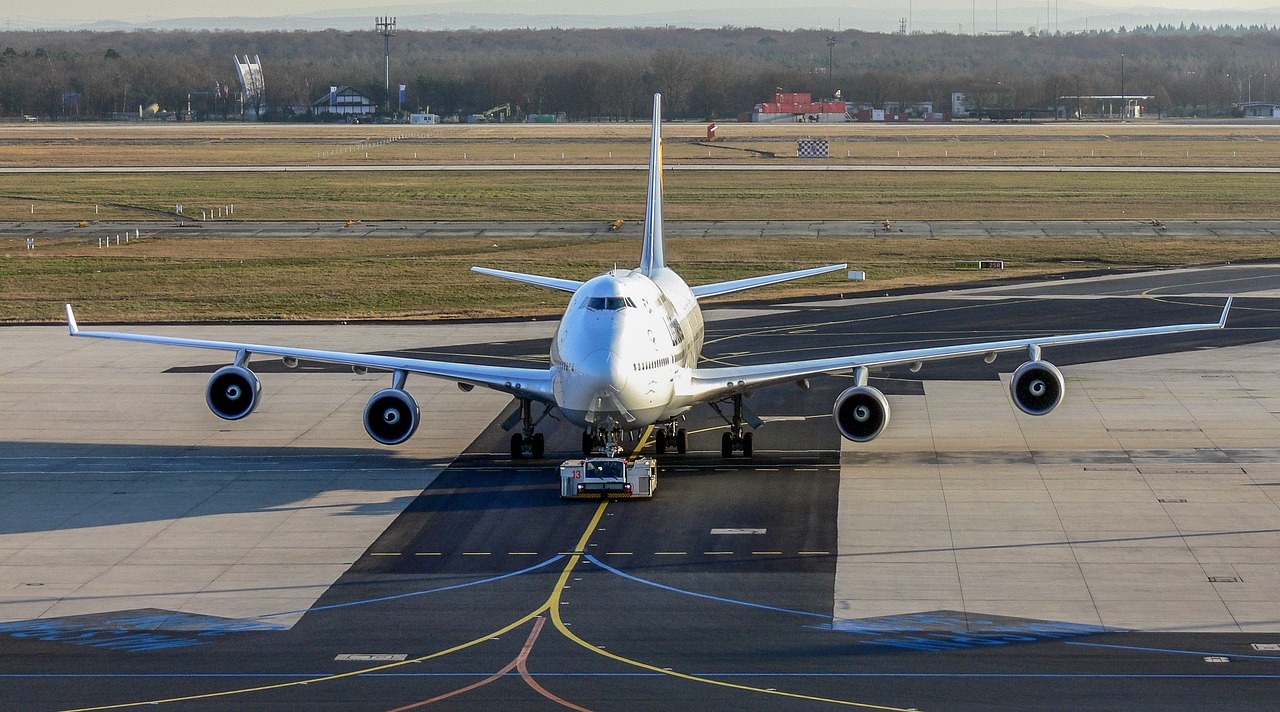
71,321
1226,308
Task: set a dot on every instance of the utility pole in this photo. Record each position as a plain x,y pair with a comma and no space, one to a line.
831,48
386,26
1124,103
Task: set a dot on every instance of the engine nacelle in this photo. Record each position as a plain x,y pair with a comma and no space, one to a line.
232,392
861,413
1037,387
391,417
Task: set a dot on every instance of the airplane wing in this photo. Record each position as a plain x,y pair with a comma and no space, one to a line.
711,383
737,285
520,382
564,285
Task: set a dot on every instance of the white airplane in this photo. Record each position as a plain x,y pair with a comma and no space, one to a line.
626,357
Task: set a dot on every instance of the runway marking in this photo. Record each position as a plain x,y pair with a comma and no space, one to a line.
707,596
428,553
476,553
1197,653
563,627
717,553
670,553
552,605
384,553
519,663
766,553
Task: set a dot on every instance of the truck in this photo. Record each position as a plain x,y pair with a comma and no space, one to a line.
599,477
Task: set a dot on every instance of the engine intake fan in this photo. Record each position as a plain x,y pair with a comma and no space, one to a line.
861,413
232,392
1037,387
391,417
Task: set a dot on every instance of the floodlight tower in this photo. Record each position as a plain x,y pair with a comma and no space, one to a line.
831,47
386,26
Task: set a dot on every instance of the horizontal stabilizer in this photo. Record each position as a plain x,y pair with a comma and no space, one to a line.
564,285
737,285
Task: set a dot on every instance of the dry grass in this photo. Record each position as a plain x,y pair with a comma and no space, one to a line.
239,279
1065,143
232,279
606,195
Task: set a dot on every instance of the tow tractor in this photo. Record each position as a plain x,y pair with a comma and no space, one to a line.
599,477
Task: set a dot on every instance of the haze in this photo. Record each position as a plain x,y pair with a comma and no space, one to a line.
918,15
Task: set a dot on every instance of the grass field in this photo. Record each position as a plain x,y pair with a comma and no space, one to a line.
606,195
233,279
403,278
1062,143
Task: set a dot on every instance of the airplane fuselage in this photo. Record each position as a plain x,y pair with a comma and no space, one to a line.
624,345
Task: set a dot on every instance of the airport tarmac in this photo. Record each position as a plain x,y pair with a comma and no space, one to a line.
1119,553
61,232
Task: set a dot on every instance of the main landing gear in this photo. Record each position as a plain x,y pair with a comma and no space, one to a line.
526,443
669,434
738,439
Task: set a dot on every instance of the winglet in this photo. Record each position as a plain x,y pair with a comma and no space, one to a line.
652,257
1222,322
71,321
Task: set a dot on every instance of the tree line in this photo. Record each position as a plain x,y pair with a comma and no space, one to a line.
608,74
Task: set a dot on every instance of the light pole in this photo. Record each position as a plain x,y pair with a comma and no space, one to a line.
1124,102
831,48
386,26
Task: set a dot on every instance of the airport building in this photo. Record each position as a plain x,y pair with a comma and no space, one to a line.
345,101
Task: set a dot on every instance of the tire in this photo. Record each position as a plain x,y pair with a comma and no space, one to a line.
660,442
588,443
682,441
517,446
538,446
748,443
726,445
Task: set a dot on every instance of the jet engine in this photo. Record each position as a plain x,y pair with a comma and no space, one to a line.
861,413
1037,387
232,392
391,417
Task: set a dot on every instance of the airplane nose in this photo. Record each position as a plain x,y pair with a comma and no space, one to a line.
605,369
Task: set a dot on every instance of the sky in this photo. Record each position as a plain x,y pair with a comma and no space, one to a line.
861,14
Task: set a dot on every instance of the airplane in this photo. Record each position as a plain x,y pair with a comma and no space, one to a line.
626,355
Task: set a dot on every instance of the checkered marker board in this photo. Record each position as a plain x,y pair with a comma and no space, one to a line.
812,148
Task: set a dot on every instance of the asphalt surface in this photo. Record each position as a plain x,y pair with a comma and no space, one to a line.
60,232
499,595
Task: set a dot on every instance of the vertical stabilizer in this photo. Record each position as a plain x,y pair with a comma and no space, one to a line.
652,257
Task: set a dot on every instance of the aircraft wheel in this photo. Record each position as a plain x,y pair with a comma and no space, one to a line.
538,446
517,446
726,445
682,441
588,443
660,441
748,443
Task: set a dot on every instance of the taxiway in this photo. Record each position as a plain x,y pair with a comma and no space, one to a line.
1120,553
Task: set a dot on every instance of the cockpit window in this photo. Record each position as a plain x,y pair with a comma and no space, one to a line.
609,303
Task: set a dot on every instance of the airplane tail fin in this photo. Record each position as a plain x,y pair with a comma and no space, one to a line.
652,257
